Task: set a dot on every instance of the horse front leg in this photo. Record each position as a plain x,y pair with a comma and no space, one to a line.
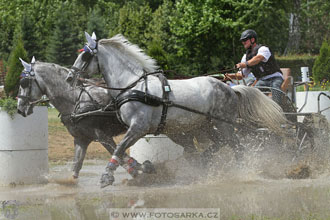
119,157
80,147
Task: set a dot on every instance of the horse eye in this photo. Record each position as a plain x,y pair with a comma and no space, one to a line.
24,82
86,56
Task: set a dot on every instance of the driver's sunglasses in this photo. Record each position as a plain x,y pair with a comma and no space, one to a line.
244,40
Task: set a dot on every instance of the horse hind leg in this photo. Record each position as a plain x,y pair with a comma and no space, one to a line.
134,168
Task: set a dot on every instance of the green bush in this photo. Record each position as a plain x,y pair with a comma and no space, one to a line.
9,105
295,62
321,68
157,52
15,69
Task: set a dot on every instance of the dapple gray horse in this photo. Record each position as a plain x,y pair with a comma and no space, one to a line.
201,104
48,79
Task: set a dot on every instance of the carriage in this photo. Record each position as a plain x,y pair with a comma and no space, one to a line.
311,128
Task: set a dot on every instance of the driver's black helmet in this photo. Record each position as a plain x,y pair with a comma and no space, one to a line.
248,34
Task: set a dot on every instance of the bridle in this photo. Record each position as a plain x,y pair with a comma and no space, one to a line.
87,56
27,77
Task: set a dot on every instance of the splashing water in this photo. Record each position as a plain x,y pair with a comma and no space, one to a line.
256,186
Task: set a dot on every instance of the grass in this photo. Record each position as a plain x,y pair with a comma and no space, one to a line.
54,122
316,86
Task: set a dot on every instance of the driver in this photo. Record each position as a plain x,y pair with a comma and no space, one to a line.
259,60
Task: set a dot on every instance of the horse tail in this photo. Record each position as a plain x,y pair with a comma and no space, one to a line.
257,108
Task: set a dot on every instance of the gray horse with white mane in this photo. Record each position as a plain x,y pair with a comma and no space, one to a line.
48,79
181,109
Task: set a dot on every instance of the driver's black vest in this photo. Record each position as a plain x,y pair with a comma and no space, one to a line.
263,68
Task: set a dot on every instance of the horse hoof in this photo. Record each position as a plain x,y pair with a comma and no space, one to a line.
148,167
106,180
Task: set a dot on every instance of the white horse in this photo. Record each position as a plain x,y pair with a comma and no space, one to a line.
201,105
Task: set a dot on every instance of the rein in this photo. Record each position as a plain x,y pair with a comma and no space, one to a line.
221,71
83,80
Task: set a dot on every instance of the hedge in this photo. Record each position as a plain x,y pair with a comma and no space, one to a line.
295,63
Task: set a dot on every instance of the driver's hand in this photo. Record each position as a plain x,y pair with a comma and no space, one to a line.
227,77
240,65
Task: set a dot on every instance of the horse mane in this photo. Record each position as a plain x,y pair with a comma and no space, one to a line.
132,50
57,67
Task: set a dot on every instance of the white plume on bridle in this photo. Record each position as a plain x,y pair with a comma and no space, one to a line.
133,51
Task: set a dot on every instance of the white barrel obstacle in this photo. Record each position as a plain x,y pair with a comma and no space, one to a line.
24,148
156,149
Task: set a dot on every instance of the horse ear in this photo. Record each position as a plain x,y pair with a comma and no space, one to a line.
27,66
94,36
33,60
91,42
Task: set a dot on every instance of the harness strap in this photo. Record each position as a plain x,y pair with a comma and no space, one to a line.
77,113
166,90
146,83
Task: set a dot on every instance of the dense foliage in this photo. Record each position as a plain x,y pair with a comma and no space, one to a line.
191,37
8,105
15,69
321,68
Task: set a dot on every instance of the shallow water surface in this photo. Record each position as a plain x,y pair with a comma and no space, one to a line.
242,194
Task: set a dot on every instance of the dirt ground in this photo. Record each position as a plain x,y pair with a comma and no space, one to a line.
61,146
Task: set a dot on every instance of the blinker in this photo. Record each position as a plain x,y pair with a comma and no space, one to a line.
86,56
24,82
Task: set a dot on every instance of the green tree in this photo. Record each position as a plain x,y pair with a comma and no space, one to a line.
321,67
64,41
158,35
157,52
204,30
15,68
315,24
207,32
158,30
96,23
30,39
133,21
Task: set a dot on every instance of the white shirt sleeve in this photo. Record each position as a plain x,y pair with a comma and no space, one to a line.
245,71
265,52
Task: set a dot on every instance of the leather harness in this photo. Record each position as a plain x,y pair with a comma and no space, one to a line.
148,99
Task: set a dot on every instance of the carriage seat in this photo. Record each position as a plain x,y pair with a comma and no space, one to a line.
287,84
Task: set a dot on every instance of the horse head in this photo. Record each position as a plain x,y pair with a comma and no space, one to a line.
29,90
86,63
119,61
